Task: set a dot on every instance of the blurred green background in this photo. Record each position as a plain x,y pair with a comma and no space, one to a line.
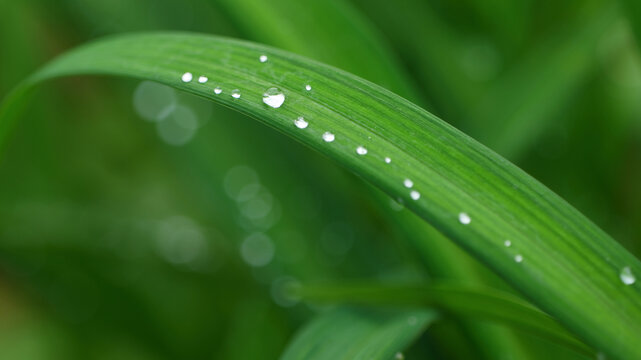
137,222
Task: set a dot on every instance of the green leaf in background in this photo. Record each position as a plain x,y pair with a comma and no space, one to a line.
349,333
463,301
527,234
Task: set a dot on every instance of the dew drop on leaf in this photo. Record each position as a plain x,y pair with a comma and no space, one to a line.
308,87
301,123
218,90
187,77
415,195
361,150
263,58
235,94
408,183
328,136
464,218
518,258
388,160
627,277
507,243
274,97
202,79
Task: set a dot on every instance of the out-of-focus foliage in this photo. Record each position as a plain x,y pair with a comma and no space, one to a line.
125,238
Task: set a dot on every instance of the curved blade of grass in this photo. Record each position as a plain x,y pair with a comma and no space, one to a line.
570,268
463,301
348,333
309,27
312,28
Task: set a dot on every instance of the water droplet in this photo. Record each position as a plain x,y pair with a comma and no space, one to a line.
518,258
235,94
507,243
388,160
263,58
626,276
187,77
408,183
301,123
202,79
361,150
328,136
308,87
464,218
415,195
399,356
274,97
218,90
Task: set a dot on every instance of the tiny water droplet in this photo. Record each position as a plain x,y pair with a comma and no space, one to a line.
235,94
218,90
464,218
399,356
361,150
415,195
308,87
408,183
301,123
507,243
263,58
187,77
388,160
328,136
202,79
274,97
518,258
627,277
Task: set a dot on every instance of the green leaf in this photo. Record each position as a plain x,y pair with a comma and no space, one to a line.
357,333
463,301
569,267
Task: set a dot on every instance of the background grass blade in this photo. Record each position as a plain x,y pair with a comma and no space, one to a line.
454,299
565,264
349,333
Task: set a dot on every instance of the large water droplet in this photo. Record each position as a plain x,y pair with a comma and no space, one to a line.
361,150
218,90
328,136
408,183
263,58
274,97
415,195
187,77
627,277
518,258
464,218
301,123
202,79
235,94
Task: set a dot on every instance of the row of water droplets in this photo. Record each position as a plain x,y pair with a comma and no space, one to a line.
275,98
